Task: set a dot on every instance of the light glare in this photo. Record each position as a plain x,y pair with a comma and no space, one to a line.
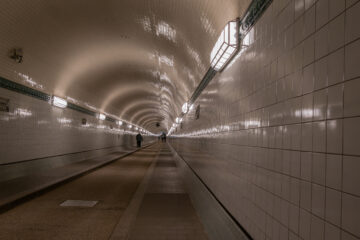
225,47
59,102
185,108
102,116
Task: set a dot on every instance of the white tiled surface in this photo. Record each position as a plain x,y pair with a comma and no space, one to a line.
35,129
278,137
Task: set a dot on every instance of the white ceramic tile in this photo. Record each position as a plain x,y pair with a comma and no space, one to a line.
294,212
352,30
351,136
308,79
322,13
306,166
335,67
309,21
305,195
307,107
334,171
322,42
320,104
350,214
334,136
336,7
317,228
332,232
319,136
309,50
318,168
335,101
321,74
336,33
333,206
309,3
352,58
305,224
318,200
299,8
352,98
347,236
351,176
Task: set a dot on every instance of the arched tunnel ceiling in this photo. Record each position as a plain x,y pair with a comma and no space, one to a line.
137,59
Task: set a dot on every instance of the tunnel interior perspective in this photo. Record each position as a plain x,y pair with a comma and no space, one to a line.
180,119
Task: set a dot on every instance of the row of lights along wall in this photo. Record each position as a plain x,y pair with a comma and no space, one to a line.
224,50
62,103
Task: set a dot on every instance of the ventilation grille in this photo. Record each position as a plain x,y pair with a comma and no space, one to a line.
81,109
16,87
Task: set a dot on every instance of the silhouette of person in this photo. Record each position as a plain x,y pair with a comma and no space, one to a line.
139,139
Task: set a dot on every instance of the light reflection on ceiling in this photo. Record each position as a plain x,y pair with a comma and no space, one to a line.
119,57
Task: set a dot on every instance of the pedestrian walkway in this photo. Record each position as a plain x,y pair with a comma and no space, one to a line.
104,199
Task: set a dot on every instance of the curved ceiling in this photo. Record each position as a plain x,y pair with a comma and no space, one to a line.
137,59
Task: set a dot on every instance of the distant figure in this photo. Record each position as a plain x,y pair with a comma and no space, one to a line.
163,137
139,139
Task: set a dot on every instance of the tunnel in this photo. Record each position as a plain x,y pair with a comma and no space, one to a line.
180,119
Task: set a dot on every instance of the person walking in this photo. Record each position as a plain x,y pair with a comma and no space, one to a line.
139,139
163,137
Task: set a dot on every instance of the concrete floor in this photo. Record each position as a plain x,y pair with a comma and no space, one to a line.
165,211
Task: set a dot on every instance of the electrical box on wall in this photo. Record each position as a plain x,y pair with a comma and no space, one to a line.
4,105
83,121
197,112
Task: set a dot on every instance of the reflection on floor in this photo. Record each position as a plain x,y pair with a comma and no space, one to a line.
164,213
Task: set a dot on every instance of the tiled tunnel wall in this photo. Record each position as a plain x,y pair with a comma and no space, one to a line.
36,129
277,138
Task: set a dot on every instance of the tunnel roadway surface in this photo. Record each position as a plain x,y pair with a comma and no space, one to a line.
163,212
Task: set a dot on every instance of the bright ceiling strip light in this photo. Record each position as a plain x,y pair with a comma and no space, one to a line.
185,107
226,46
102,116
59,102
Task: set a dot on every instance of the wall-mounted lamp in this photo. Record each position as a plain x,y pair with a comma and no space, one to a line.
226,46
102,116
185,107
59,102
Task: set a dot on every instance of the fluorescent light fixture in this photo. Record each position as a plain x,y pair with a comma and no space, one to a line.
119,122
226,46
102,116
185,108
191,107
59,102
136,128
177,120
129,126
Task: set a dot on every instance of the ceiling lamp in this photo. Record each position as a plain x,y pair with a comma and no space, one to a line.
119,122
102,116
59,102
226,46
185,107
129,126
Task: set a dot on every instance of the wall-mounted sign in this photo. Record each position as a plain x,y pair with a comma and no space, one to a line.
197,112
4,105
